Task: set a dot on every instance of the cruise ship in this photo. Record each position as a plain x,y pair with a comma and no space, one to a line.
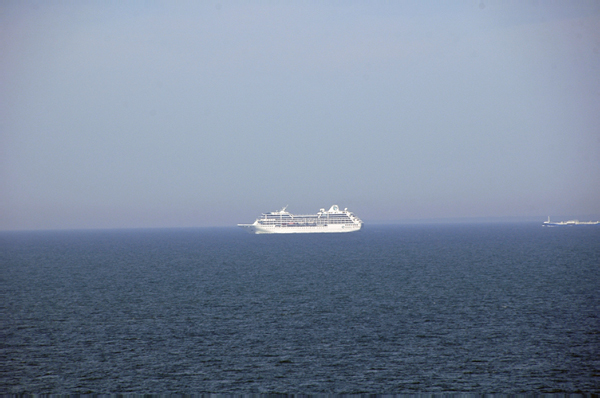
568,223
283,222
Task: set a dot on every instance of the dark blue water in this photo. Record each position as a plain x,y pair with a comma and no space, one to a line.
435,308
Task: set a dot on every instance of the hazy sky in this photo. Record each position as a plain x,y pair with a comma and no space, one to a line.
183,114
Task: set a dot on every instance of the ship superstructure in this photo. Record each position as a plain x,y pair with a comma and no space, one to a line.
283,222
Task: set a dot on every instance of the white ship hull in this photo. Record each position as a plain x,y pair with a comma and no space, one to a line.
260,229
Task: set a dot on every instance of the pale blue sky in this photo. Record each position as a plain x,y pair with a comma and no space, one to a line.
185,114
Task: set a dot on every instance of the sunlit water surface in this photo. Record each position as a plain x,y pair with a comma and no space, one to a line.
390,309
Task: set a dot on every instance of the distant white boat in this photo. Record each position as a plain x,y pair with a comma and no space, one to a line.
568,223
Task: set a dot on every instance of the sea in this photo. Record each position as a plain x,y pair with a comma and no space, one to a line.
391,309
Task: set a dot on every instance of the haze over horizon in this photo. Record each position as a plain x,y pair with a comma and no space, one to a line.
192,114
